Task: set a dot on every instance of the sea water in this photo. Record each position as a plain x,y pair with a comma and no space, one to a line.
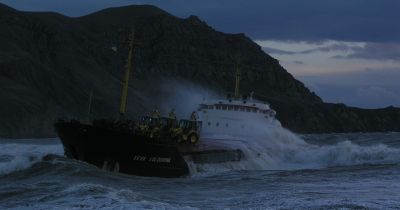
281,170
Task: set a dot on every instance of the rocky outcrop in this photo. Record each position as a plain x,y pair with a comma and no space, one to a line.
50,64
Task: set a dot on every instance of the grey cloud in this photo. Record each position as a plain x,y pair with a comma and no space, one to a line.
299,62
372,88
333,47
309,20
376,51
278,51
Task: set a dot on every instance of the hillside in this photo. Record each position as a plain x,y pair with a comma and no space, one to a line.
50,63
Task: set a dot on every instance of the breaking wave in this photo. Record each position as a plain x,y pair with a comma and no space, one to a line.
98,196
272,149
17,156
280,149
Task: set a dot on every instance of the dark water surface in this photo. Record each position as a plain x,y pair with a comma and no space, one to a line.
332,171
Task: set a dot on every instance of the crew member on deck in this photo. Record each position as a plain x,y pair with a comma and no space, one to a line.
155,113
172,114
193,116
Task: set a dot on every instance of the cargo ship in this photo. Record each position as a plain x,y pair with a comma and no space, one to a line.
162,146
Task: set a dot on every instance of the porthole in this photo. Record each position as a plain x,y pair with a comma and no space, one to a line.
226,125
209,123
217,124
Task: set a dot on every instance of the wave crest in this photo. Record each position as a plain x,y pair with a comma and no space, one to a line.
280,149
15,157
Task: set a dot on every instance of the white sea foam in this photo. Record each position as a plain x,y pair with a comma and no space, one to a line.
279,149
16,156
98,196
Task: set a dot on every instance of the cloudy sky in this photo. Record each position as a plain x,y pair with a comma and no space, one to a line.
344,50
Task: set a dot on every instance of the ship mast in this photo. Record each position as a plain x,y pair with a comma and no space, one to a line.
124,96
237,82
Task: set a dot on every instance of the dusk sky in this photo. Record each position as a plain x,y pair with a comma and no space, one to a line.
344,50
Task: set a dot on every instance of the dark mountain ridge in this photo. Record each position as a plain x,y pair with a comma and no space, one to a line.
50,64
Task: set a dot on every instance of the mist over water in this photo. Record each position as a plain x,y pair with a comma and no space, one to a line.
279,149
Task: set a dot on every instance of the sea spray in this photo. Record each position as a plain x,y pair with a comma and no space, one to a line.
276,148
270,146
16,156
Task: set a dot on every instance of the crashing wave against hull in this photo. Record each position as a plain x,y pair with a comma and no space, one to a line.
160,146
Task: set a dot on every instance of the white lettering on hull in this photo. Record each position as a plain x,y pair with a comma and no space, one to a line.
151,159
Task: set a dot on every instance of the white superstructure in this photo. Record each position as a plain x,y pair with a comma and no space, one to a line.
233,117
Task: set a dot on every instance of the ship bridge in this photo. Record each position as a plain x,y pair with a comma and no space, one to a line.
235,117
239,106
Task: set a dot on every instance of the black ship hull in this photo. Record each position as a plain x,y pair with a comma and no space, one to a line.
123,152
